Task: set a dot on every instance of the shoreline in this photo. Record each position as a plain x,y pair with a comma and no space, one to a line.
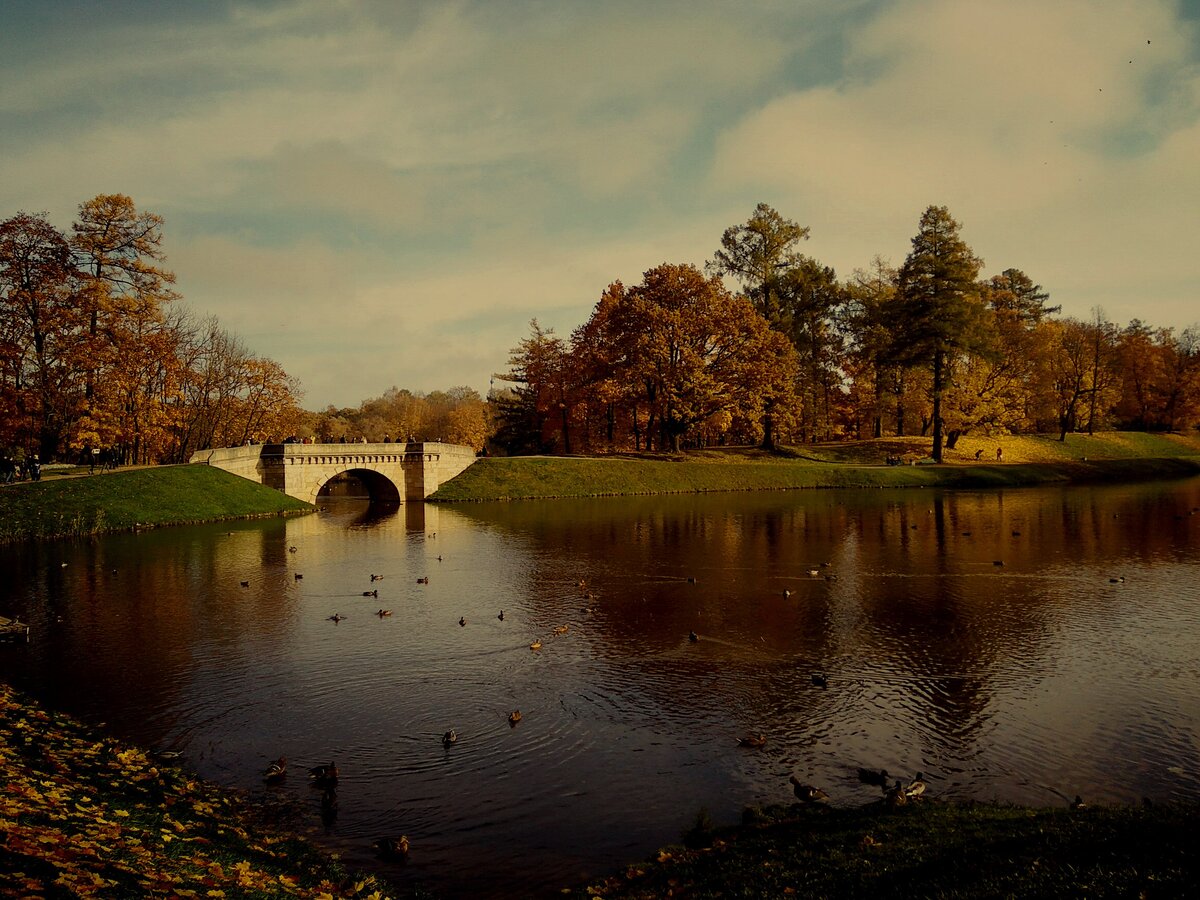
85,813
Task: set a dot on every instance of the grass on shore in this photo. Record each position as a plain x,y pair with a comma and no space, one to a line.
134,498
1027,460
928,849
84,816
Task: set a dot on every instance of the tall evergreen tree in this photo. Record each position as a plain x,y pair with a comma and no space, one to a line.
939,312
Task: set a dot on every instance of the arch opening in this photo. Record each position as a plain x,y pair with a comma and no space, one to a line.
361,484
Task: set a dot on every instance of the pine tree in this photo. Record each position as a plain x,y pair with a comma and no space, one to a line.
939,312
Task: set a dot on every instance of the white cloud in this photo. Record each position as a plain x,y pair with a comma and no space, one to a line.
1019,116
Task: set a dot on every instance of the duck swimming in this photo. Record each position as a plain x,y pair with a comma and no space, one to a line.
393,848
806,793
752,740
276,771
450,737
870,776
323,776
514,717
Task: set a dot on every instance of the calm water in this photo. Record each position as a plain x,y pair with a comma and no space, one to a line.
1029,681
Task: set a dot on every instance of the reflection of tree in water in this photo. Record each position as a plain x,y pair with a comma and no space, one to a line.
920,631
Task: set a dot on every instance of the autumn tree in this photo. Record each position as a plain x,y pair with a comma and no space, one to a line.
757,254
812,300
538,403
119,248
874,377
939,316
41,352
692,351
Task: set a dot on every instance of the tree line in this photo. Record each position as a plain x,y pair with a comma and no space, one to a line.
96,351
798,355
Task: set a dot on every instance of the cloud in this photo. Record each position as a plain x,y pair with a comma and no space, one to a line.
1053,131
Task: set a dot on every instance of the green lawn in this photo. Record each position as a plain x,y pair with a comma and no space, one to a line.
127,499
1027,460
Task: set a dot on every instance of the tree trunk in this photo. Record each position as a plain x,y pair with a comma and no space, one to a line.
938,365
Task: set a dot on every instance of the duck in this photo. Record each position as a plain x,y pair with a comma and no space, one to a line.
335,618
501,616
819,680
693,637
375,577
298,576
870,776
370,593
691,579
997,562
1078,803
752,740
276,771
423,580
290,549
536,645
462,621
814,572
786,593
323,776
895,795
450,737
806,793
1120,579
562,629
383,612
915,788
393,848
245,584
439,557
514,717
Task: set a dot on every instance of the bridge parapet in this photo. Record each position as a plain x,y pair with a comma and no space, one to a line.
414,469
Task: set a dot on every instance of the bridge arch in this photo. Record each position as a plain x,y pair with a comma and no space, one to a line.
380,488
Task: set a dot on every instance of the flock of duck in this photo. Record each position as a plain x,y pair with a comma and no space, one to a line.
325,777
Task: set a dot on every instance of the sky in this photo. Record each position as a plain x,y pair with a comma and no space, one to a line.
380,194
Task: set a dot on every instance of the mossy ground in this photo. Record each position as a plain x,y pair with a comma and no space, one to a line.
133,498
1026,460
84,816
929,849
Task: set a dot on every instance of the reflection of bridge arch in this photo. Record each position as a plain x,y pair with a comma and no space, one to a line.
402,471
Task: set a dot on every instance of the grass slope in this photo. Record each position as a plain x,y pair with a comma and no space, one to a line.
929,849
122,500
1027,460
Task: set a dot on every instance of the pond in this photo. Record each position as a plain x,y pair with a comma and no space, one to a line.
1021,645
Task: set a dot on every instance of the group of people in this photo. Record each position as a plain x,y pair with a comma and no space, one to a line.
11,470
999,454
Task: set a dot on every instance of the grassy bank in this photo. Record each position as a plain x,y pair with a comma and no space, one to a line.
84,816
929,850
1026,461
123,500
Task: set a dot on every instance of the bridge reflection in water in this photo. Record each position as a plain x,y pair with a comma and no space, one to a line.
390,472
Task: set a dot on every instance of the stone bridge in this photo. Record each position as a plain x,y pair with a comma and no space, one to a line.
391,472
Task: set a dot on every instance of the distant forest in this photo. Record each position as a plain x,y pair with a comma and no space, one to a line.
798,355
97,351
